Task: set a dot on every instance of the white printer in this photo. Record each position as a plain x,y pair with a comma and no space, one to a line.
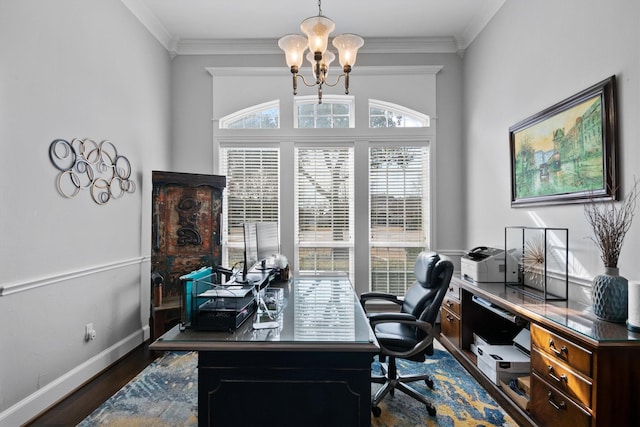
484,264
503,362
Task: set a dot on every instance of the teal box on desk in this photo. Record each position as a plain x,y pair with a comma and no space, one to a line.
211,306
193,284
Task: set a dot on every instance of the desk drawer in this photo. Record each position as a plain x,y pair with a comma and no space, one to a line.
451,304
560,376
450,326
575,356
453,291
550,407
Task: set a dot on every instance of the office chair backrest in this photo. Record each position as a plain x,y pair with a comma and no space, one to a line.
424,298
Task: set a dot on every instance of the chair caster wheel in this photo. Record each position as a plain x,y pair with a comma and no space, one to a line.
376,411
429,383
431,410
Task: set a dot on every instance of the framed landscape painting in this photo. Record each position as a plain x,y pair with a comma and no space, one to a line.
567,153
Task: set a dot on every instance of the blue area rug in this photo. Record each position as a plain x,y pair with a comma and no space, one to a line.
166,394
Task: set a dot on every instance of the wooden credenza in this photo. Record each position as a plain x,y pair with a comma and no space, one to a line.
584,371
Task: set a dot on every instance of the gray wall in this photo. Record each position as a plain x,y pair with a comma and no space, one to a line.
73,68
531,56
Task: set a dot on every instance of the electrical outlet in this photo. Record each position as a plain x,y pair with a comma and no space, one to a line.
89,332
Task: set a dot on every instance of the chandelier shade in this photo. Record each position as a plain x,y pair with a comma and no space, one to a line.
348,45
294,46
326,60
317,30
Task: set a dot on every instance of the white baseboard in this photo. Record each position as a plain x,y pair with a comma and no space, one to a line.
146,332
36,403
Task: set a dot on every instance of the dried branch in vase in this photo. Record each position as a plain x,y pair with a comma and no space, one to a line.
610,222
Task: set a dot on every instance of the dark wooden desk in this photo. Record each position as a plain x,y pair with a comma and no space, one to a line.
584,371
312,370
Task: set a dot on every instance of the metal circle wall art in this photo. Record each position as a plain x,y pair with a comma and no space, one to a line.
85,164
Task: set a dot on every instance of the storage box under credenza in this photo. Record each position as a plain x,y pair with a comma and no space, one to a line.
502,362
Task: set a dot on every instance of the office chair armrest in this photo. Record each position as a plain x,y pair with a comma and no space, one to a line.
369,296
376,318
407,319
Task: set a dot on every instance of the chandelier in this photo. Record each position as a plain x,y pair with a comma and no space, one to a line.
317,29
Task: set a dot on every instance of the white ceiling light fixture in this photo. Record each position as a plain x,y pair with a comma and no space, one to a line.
318,28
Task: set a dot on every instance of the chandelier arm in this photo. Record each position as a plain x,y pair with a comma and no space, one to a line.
337,80
305,81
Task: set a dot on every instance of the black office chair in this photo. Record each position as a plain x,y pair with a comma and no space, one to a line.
409,333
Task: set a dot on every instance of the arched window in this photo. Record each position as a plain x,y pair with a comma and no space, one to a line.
387,115
261,116
336,111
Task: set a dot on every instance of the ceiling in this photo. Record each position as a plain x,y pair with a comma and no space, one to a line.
182,24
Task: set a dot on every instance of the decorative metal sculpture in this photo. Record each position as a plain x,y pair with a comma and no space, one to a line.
85,164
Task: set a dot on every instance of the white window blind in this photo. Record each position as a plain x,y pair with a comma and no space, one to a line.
324,209
252,194
398,207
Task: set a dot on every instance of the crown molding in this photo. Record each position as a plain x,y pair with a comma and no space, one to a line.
395,70
151,22
270,46
176,46
412,45
477,24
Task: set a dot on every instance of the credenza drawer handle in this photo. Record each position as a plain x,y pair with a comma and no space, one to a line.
555,404
449,304
560,378
449,318
559,353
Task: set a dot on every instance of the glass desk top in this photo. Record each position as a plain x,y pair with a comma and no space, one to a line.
572,315
311,311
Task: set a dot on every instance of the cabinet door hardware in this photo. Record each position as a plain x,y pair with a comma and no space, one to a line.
559,353
555,404
560,378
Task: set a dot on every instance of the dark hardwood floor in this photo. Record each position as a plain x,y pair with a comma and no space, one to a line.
78,405
75,407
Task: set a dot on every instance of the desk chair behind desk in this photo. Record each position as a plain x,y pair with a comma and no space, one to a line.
409,334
